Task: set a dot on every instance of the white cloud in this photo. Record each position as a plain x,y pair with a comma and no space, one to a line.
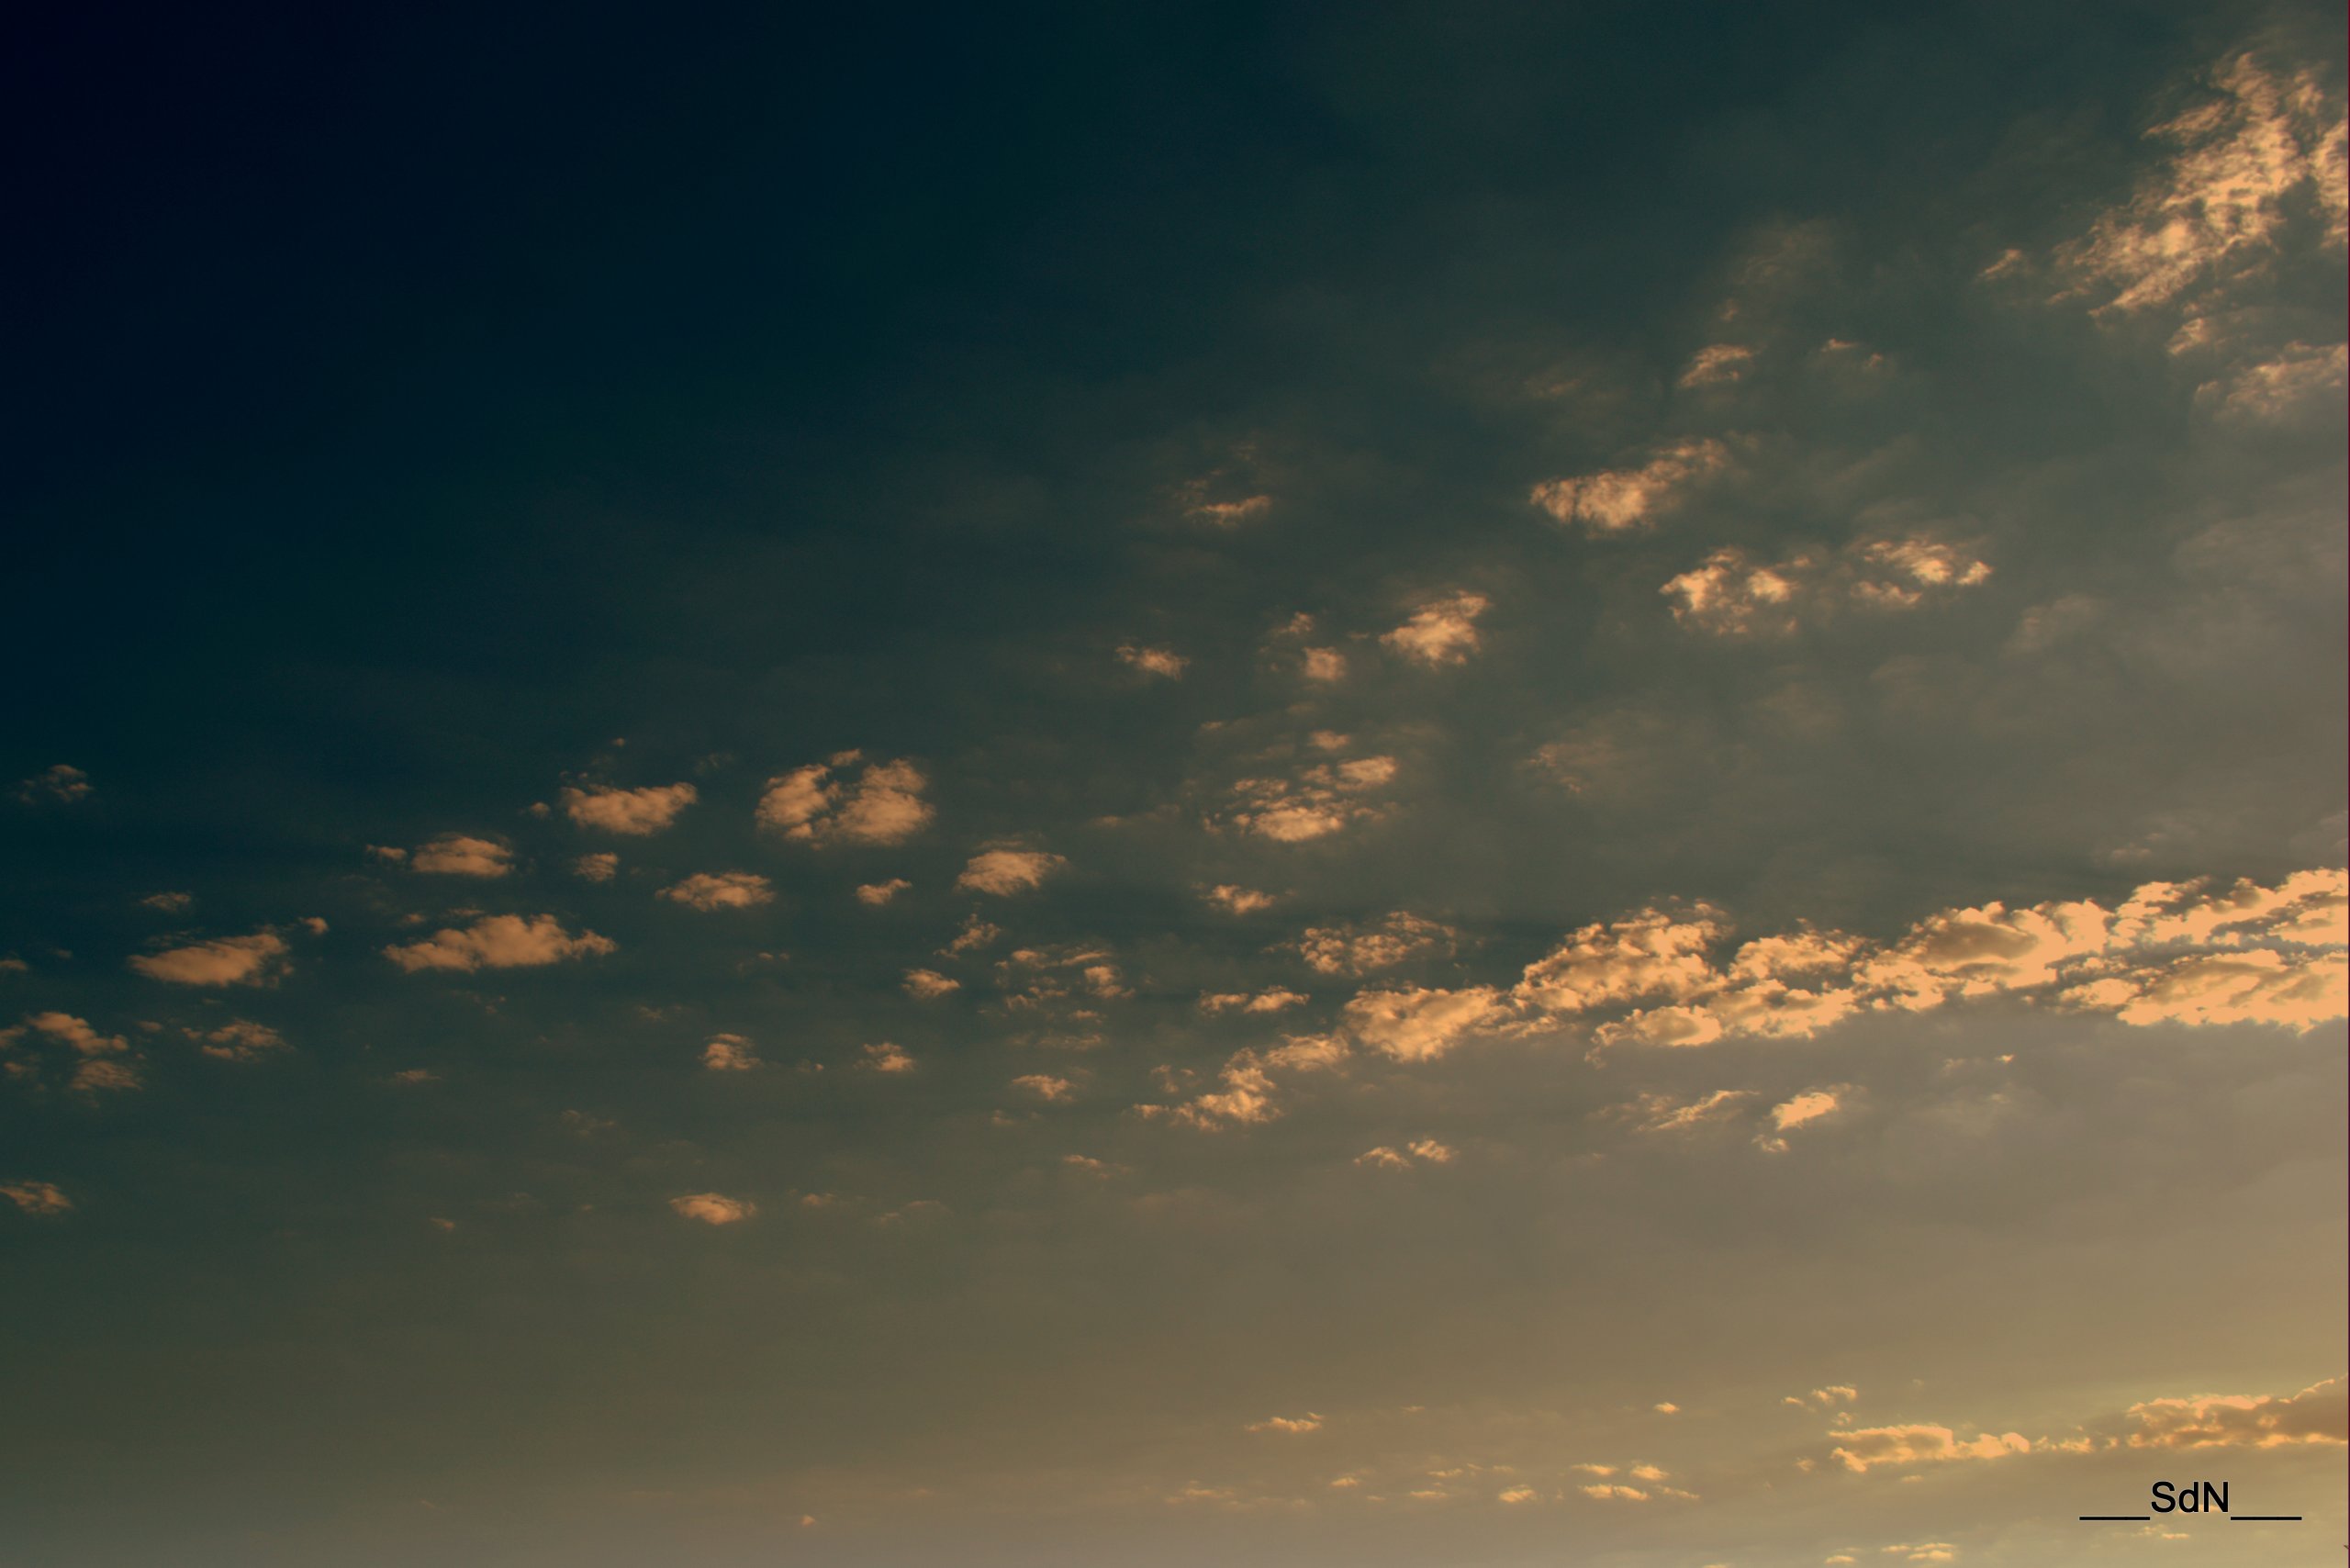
1153,661
1312,802
1420,1024
1006,871
1325,665
242,1039
1045,1086
1350,949
875,894
711,890
2271,389
1234,900
928,985
1287,1425
714,1208
729,1053
2316,1415
458,855
36,1198
61,783
1732,595
257,960
499,942
1862,1449
883,1057
633,813
814,805
1274,1001
1715,363
600,867
1441,631
1619,500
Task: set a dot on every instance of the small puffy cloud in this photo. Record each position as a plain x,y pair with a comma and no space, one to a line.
61,783
257,960
1666,1407
242,1039
729,1053
1805,1108
709,890
75,1033
1618,500
2317,1415
1325,665
1518,1495
458,855
714,1208
1420,1152
2272,389
169,903
1418,1024
1715,363
1441,631
499,942
599,866
1657,1113
1153,661
976,934
36,1198
1654,952
1274,1001
105,1074
928,985
883,1057
1352,949
1235,900
1006,871
875,894
819,805
1606,1492
1312,802
1862,1449
1287,1425
1046,1087
1248,1094
635,813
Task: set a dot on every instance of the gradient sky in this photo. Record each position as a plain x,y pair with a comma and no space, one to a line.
1398,785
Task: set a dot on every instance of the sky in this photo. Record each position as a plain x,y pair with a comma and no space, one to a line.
1466,786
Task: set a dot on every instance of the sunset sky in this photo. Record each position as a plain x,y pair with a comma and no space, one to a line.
1427,786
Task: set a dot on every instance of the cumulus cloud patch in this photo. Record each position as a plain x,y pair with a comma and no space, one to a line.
712,1208
635,813
822,805
1161,662
1618,500
1441,631
256,960
461,855
729,1053
1352,949
42,1198
712,890
60,785
1006,871
240,1039
1313,802
498,942
1730,594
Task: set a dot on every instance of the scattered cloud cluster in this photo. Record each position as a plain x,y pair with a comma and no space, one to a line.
1441,631
1008,870
635,813
1618,500
1732,595
711,890
1311,802
819,805
498,942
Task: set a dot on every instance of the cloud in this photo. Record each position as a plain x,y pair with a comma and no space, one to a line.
883,1057
812,804
1419,1025
1287,1425
1425,1151
1862,1449
976,934
1805,1108
1441,631
242,1039
1315,803
36,1198
1273,1000
104,1074
600,867
169,903
456,854
928,985
60,784
875,894
1618,500
258,959
2271,389
635,813
2217,206
729,1053
499,942
1045,1086
1717,363
2316,1415
1826,1398
1350,949
1153,661
714,1208
1730,595
1325,665
1657,1113
1247,1095
73,1033
709,890
1006,871
1234,900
